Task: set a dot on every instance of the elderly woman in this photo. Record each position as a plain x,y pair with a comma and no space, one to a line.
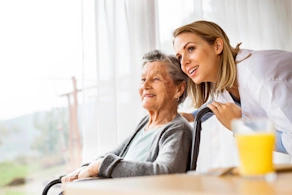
161,143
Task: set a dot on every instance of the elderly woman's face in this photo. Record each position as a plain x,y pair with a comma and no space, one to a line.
157,90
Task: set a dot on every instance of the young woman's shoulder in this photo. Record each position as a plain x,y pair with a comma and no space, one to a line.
264,65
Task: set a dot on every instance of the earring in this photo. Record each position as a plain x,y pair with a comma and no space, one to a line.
177,99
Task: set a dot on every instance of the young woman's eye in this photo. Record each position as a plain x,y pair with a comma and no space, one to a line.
190,49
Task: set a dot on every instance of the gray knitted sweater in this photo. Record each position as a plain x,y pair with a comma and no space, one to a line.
169,152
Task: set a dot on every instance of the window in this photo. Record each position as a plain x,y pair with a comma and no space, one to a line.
42,47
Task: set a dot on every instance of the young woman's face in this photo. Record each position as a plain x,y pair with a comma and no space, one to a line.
199,60
157,90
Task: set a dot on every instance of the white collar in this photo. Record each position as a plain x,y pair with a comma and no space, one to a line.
243,54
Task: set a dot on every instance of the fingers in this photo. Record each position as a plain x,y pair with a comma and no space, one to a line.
67,179
226,112
216,107
216,104
71,176
213,108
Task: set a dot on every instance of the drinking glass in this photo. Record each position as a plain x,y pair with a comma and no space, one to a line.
255,139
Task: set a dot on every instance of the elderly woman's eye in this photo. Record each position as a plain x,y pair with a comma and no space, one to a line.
156,78
143,80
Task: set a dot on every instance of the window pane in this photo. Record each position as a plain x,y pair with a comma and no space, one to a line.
41,52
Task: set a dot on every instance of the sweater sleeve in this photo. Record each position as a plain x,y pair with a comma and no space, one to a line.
173,157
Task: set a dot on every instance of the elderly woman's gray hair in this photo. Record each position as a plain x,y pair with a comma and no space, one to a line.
173,67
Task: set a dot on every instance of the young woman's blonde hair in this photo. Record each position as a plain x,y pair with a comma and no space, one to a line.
226,76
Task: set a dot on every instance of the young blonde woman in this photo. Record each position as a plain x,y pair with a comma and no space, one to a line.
259,81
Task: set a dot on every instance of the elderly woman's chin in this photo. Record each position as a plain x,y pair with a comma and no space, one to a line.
148,105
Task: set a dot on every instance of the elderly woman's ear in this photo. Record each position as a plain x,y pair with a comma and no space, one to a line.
181,88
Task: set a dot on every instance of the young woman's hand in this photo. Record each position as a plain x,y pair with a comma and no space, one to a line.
91,170
225,112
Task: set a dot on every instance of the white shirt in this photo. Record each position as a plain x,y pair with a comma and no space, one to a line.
265,87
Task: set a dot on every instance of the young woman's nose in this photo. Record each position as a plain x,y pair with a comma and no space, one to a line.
184,61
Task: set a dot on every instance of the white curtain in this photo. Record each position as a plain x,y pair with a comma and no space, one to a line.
258,24
126,29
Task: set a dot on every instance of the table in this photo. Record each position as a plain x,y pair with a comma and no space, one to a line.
183,184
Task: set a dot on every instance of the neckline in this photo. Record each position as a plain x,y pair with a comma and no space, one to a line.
234,98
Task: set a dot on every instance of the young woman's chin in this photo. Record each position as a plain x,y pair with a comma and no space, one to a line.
197,80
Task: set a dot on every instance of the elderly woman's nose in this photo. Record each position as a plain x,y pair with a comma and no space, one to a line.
146,84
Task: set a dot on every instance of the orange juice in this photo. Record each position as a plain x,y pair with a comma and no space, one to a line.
255,153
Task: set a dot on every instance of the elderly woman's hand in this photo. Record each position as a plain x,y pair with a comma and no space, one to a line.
225,112
70,177
91,170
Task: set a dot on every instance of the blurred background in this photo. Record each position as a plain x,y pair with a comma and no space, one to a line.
70,71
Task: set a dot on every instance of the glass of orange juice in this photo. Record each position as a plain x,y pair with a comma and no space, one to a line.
255,139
